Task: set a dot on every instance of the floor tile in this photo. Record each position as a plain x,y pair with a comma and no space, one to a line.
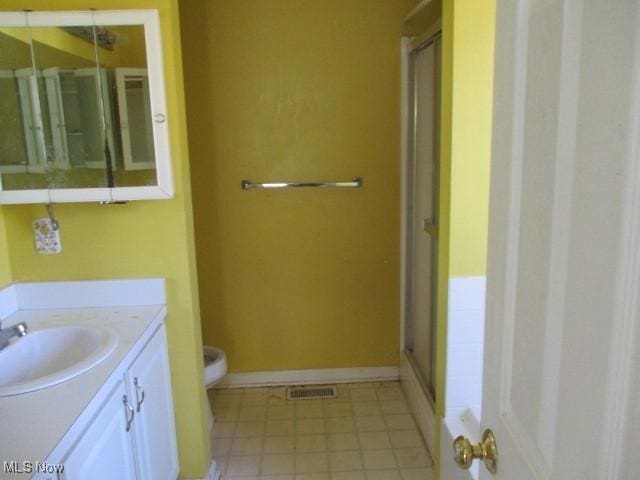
247,446
340,425
221,465
344,392
405,438
342,441
228,393
417,474
310,425
279,427
224,429
385,394
347,475
311,463
278,399
383,475
250,414
403,421
277,394
221,447
311,443
392,407
249,429
255,399
312,476
367,433
228,401
365,394
279,444
256,390
341,397
281,412
309,409
361,409
379,459
277,464
374,440
338,409
370,424
226,414
412,457
243,466
345,461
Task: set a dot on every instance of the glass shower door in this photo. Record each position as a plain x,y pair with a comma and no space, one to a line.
422,212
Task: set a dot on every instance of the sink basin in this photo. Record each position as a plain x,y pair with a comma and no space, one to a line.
46,357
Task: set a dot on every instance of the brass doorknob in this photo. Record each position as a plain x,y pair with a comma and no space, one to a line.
465,452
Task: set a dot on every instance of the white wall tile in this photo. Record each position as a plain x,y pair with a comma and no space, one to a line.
466,326
464,360
8,301
465,344
467,293
94,293
464,391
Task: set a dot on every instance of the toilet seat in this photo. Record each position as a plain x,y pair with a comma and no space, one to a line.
215,365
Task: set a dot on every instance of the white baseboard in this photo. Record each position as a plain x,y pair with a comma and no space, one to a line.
310,377
420,406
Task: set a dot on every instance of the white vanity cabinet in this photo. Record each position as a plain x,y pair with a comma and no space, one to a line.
153,425
133,434
106,449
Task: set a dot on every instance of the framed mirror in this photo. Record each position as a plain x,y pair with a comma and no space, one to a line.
83,115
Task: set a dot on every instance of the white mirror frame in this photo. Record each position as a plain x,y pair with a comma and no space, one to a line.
153,44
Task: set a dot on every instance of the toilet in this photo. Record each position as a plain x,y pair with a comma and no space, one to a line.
215,368
215,365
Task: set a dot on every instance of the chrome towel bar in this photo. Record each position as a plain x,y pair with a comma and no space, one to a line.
355,183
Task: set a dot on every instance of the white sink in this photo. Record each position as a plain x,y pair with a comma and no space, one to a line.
52,355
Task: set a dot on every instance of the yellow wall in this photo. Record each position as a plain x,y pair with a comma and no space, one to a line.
296,90
472,104
140,239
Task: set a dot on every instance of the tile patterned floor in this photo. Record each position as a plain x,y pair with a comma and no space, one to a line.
365,433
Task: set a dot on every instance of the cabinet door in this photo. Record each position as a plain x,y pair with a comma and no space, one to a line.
55,103
154,429
105,450
96,116
136,126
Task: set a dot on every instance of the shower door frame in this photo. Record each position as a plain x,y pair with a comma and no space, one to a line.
410,48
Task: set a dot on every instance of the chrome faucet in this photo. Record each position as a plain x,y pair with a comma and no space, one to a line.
6,334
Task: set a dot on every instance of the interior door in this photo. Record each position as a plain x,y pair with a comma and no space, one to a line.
563,265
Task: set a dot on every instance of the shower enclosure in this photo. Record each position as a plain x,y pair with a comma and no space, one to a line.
422,210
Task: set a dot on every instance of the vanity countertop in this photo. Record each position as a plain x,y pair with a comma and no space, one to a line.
39,425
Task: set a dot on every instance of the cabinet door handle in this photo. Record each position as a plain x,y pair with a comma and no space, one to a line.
128,409
139,394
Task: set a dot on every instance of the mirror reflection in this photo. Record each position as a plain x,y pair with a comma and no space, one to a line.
75,114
